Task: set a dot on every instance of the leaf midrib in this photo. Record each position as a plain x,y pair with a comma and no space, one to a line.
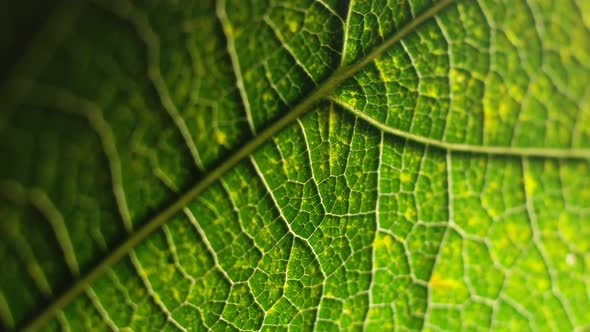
320,92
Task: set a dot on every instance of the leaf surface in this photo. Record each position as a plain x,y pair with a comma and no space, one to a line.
328,165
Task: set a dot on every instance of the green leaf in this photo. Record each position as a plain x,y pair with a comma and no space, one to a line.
298,165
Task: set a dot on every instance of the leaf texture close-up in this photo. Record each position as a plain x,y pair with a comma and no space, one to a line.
296,165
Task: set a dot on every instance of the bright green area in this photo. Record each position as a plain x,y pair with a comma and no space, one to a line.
430,190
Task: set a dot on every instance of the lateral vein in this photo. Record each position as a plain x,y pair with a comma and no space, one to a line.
235,62
472,148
